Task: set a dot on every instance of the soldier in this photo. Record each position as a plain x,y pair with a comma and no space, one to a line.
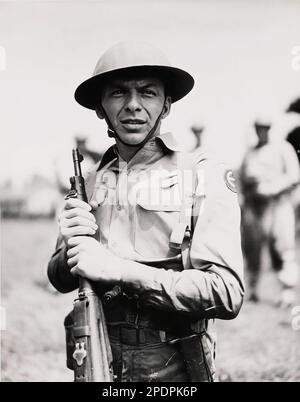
152,226
92,156
268,174
197,130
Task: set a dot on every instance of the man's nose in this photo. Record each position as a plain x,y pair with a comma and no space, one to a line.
133,103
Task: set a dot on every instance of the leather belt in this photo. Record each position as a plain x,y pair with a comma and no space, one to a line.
137,336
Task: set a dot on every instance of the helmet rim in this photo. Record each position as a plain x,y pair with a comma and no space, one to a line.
178,82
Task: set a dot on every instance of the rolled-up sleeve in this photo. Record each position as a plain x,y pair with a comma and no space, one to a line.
58,270
213,287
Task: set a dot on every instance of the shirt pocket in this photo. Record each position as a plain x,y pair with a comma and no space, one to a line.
156,215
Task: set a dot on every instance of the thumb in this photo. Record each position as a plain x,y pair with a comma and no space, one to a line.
74,271
94,204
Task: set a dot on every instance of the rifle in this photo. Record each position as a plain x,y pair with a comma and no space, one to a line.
88,348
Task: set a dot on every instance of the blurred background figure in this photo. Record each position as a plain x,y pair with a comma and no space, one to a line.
90,156
63,172
269,173
197,130
293,138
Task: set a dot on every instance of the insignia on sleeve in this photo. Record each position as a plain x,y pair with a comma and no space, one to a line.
230,180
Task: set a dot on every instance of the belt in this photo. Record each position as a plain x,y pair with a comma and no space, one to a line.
137,336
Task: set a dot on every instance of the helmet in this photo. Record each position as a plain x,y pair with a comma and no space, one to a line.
134,57
263,121
197,128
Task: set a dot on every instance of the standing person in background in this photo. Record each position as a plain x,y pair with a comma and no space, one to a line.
197,130
172,247
268,175
91,157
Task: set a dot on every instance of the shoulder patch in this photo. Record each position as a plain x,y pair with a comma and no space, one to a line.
230,180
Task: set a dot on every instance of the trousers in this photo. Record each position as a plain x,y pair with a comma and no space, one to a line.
147,359
270,226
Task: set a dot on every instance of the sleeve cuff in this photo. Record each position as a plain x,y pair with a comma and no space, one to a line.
138,277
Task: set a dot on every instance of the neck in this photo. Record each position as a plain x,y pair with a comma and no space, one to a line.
127,152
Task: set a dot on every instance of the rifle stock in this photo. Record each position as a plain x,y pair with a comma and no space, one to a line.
88,348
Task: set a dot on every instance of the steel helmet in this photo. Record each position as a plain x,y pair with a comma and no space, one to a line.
197,128
263,121
139,57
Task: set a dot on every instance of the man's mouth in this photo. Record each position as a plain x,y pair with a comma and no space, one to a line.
134,122
133,125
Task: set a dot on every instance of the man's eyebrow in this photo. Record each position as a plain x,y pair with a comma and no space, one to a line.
122,84
148,84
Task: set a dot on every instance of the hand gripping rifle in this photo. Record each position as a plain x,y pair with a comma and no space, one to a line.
88,348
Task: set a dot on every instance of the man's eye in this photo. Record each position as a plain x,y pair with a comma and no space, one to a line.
149,92
118,92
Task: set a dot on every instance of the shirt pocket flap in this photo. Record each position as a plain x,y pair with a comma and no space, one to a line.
100,195
160,194
158,207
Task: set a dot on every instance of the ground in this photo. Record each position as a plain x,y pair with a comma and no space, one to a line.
260,345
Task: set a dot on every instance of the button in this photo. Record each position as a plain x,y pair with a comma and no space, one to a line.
119,207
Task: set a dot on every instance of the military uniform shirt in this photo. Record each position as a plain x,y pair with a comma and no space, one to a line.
274,167
139,206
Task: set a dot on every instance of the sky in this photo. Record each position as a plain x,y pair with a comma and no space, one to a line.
242,55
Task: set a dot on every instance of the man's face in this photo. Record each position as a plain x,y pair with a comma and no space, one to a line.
133,106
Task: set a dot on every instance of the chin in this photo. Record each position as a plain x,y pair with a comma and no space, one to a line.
133,138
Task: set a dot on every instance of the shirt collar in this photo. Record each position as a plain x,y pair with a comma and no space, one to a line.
165,142
169,141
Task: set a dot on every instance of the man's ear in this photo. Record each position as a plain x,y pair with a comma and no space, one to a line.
167,107
99,111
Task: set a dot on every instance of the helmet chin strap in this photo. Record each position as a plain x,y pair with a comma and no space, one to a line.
113,133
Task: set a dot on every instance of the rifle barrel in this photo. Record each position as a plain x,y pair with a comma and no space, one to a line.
77,158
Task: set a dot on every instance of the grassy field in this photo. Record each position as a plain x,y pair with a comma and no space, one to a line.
260,345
